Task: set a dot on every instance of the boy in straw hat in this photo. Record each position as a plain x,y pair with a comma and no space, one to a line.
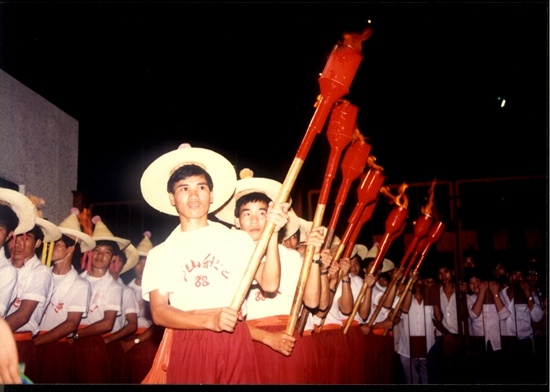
141,347
105,304
68,304
268,312
381,358
126,323
191,277
16,217
33,289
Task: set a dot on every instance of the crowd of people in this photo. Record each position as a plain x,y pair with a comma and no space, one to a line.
203,307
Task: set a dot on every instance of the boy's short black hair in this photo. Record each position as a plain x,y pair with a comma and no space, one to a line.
8,218
186,171
252,197
114,246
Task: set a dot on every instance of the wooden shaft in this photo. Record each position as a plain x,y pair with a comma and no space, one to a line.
304,274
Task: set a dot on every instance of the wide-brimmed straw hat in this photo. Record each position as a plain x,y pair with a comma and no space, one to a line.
132,258
292,226
50,230
102,233
246,185
70,226
361,250
305,226
23,208
155,178
145,245
387,264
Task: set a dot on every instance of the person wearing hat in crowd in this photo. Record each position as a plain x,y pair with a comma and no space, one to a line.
267,314
141,346
16,217
192,276
33,289
89,349
126,323
380,359
68,304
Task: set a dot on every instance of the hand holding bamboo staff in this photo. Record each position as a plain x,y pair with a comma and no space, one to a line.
394,226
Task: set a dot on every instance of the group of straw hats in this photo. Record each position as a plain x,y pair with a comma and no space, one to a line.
26,209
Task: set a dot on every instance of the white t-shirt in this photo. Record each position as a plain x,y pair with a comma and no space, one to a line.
35,283
259,306
201,269
8,279
71,293
417,322
487,322
106,295
377,293
519,322
449,312
129,305
144,320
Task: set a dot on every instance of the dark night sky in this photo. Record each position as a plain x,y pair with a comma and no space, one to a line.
141,78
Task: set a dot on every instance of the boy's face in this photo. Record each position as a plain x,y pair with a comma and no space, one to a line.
444,275
21,249
192,197
291,242
60,250
102,256
252,218
140,266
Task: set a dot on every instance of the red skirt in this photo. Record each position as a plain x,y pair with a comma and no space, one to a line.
55,363
274,367
207,357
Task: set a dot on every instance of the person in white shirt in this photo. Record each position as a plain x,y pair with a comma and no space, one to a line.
88,342
417,335
126,322
68,304
516,330
190,279
268,313
16,217
33,289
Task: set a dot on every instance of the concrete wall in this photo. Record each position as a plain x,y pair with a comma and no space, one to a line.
38,147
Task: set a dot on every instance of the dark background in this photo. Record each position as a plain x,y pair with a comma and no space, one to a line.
242,78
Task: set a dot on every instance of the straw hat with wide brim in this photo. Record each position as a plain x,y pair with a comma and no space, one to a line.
51,231
102,233
246,185
155,178
145,245
132,257
387,264
71,227
305,226
361,250
23,208
292,226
